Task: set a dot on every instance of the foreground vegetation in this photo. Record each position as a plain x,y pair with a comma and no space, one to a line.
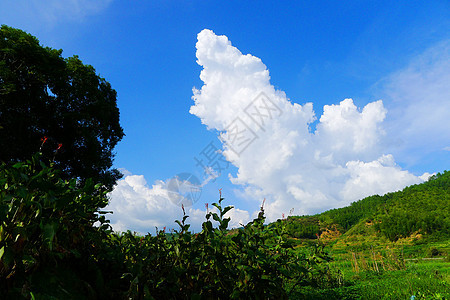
50,249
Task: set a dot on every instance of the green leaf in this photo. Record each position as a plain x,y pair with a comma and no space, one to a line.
17,238
17,165
217,206
216,217
48,232
6,255
227,209
224,224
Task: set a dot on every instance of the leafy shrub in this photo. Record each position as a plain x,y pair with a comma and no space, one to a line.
50,248
43,220
250,263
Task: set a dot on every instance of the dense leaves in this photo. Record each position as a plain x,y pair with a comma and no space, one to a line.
217,264
47,231
420,208
303,227
43,94
44,221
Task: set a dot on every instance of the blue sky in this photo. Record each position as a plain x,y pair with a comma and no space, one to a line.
316,52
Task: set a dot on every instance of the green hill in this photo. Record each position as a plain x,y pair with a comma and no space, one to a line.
418,214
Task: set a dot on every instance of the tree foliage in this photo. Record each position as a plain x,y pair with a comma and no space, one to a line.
44,221
420,208
47,231
44,94
304,227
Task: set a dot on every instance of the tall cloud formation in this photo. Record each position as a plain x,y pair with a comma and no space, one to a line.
268,137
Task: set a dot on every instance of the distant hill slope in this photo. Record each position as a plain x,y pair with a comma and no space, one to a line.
422,208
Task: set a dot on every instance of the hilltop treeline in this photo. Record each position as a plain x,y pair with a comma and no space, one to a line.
422,208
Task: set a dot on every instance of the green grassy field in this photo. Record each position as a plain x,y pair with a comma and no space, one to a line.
386,271
421,278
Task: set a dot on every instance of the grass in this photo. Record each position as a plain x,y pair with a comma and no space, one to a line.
422,279
370,267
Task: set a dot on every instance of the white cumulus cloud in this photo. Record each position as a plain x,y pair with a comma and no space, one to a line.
267,137
139,207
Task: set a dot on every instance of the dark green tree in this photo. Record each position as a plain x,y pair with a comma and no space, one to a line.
42,95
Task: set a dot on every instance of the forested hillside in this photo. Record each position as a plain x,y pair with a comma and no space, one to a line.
422,208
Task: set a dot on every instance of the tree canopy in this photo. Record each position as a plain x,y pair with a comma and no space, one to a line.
42,95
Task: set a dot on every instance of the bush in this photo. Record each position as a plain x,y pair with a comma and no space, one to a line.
43,220
254,262
50,248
